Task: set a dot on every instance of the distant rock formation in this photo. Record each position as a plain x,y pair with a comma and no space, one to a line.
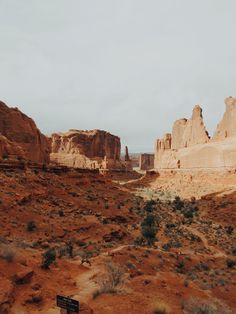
227,126
127,154
146,161
189,132
20,137
94,149
189,146
128,161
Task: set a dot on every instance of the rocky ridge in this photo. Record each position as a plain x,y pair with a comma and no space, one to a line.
189,145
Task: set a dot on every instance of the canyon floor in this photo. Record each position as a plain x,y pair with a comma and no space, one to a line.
91,225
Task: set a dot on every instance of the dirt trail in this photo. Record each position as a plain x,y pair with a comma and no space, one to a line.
86,284
215,251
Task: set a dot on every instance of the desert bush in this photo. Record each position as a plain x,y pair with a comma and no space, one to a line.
229,230
61,213
166,246
195,238
48,258
180,266
177,203
230,263
149,206
70,248
160,307
139,241
149,229
170,225
188,214
111,281
198,306
31,226
202,266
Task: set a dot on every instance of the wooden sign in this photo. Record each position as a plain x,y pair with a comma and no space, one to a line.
68,304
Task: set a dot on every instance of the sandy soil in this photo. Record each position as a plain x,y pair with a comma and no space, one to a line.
101,219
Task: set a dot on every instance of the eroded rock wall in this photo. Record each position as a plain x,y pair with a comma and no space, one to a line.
86,149
20,136
227,126
189,132
146,161
191,146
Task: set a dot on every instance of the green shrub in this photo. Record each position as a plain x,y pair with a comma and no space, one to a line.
48,258
149,229
61,213
31,226
229,230
149,206
177,204
230,263
70,249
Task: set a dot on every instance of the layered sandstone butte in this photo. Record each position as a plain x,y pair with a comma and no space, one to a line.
146,161
94,149
189,145
20,137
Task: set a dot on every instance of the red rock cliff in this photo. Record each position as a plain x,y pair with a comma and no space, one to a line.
21,137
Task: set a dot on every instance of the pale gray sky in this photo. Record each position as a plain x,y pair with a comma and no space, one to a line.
127,66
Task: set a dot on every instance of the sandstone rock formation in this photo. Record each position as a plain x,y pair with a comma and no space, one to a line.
128,162
188,132
191,146
10,149
20,136
227,126
86,149
165,142
146,161
127,154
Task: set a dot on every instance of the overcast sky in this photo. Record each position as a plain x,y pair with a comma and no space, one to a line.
130,67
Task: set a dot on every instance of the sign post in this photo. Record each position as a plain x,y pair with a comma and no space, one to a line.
70,305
